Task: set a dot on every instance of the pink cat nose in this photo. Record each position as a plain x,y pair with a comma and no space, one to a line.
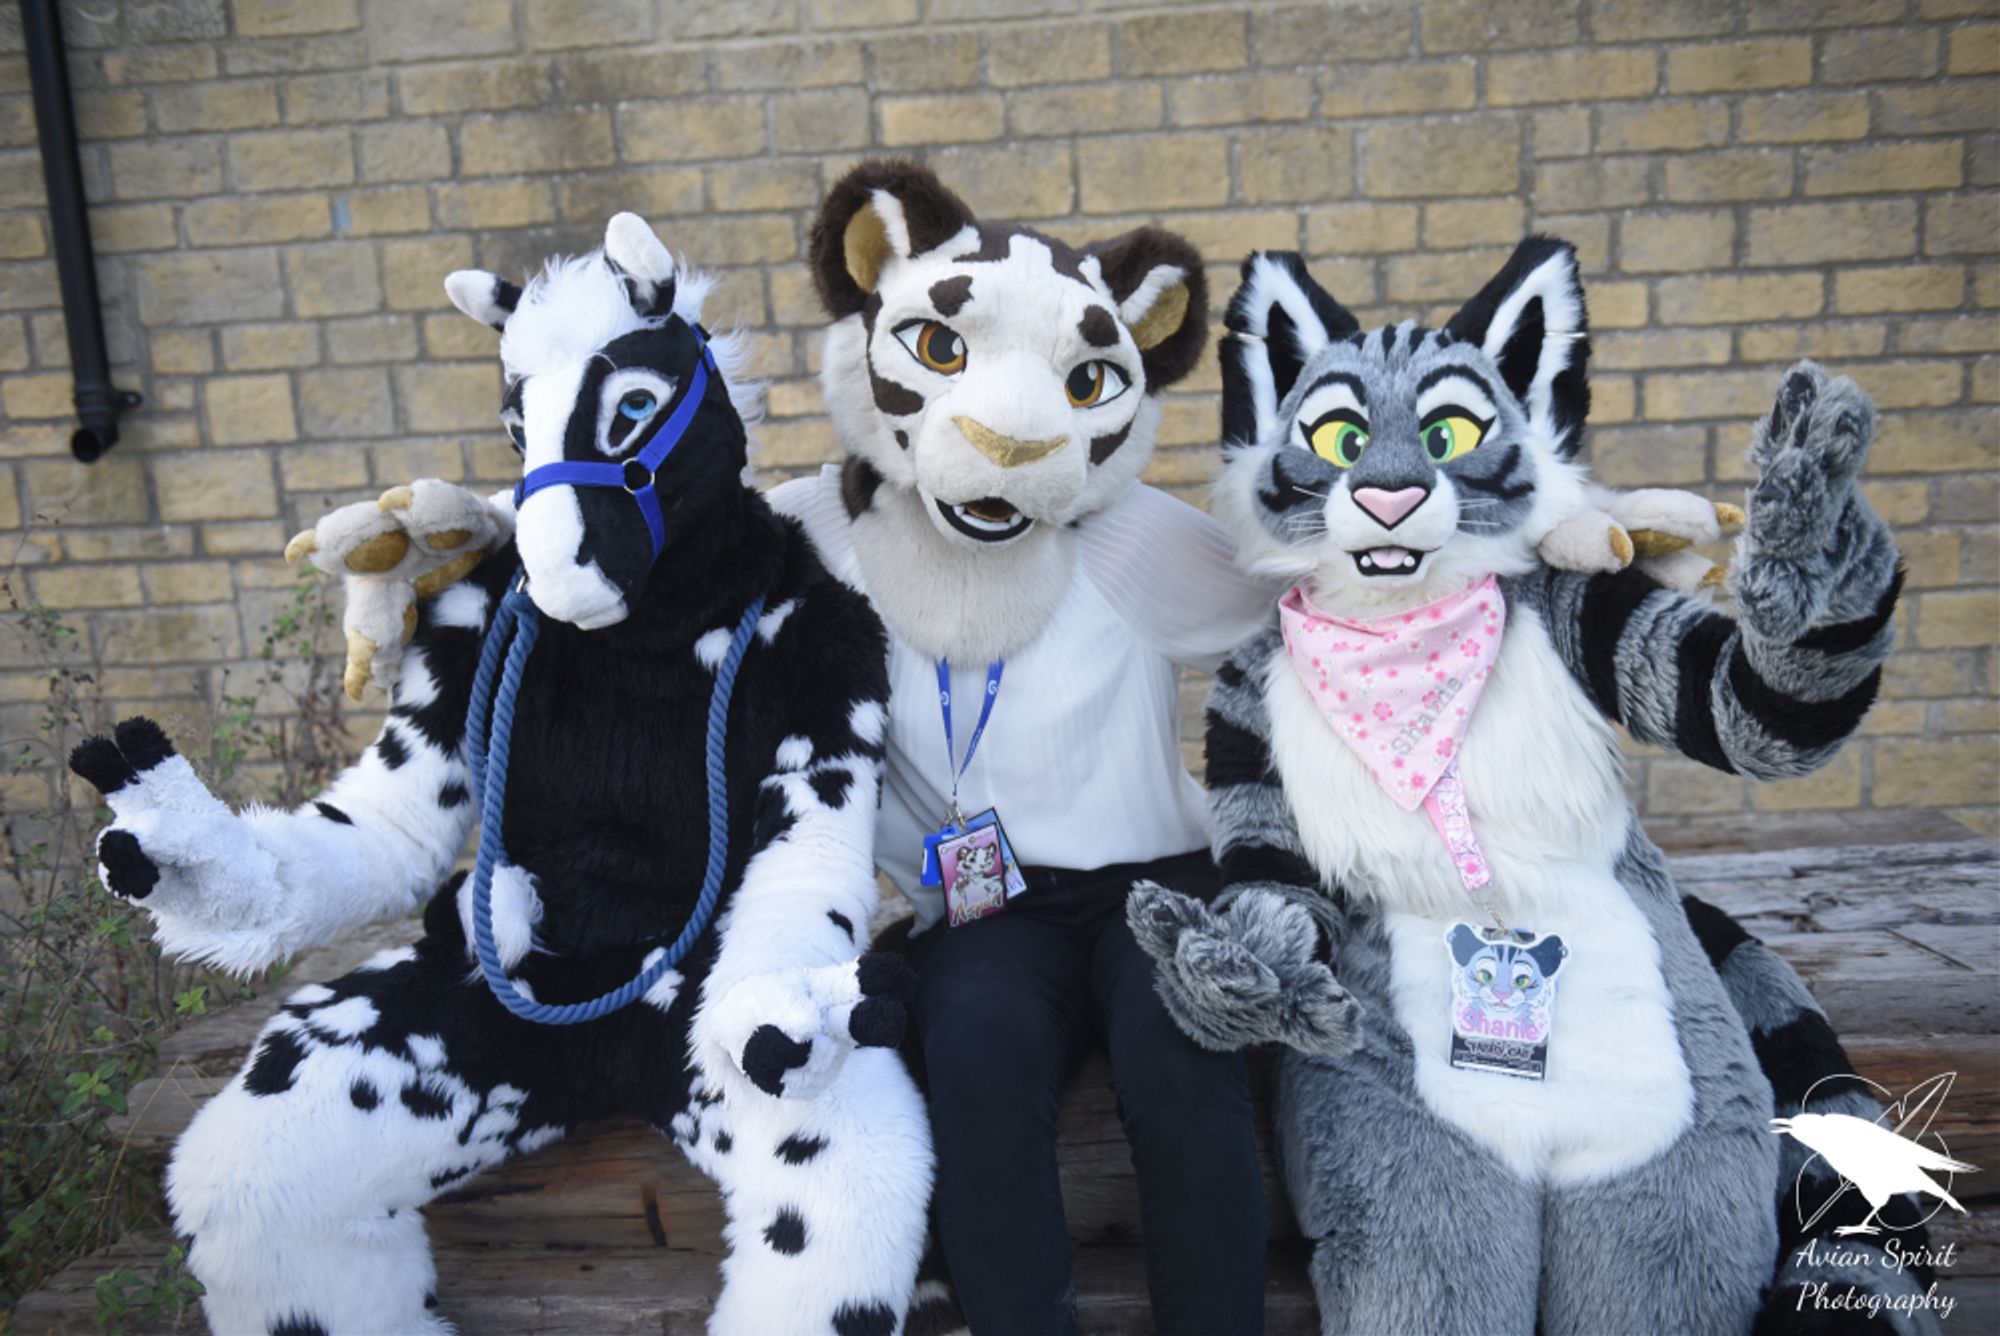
1389,508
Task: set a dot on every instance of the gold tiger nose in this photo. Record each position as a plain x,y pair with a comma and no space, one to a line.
1005,451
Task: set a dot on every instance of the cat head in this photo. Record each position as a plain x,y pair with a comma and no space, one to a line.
1398,465
1502,975
1009,378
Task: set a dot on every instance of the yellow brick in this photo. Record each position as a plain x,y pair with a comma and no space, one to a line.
291,160
219,106
1398,87
1937,108
1452,224
1181,44
1103,107
375,213
647,191
1818,233
1238,99
1899,501
570,23
1931,772
918,62
1361,229
1737,66
1590,184
293,18
436,90
1458,157
1884,169
413,271
1678,787
1732,175
250,219
1889,718
1962,225
819,121
37,396
1724,299
1906,287
250,410
141,227
1617,305
789,444
182,352
1157,172
1308,163
269,347
541,142
189,582
334,279
1446,276
1570,76
484,204
1878,57
1819,338
1837,784
1239,231
1646,349
1767,14
261,539
1955,442
1735,395
1930,560
1321,34
1479,25
89,587
322,470
1650,243
404,151
449,396
1967,716
214,485
110,491
1561,134
1642,20
1795,118
944,118
1975,49
1047,53
1647,127
740,187
1958,619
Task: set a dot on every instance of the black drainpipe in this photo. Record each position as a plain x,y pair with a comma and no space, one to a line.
98,402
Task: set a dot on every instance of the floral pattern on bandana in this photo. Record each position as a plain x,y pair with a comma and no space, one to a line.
1399,690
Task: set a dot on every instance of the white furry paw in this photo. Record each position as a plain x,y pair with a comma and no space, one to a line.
1589,541
787,1032
172,845
409,544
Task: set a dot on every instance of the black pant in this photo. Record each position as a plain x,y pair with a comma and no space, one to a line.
1006,1007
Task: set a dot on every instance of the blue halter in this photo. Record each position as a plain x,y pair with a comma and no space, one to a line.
503,658
639,474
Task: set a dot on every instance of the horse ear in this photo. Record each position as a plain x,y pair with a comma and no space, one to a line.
637,255
1162,294
883,210
1530,320
1278,321
487,298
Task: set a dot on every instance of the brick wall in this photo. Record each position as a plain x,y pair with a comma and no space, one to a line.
278,188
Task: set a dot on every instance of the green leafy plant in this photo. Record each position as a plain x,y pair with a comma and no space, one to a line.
85,996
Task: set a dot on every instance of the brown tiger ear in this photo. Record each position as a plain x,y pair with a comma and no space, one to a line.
883,209
1162,294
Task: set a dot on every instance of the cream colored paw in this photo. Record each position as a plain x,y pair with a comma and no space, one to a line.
1590,541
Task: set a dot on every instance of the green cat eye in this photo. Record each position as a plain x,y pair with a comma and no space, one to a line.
1338,439
1452,432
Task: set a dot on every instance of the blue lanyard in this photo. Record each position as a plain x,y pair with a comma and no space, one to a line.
993,671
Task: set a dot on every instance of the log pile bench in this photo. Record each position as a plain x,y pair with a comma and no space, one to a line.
1895,923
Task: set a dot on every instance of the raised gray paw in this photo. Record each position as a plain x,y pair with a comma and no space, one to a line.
1245,976
1807,520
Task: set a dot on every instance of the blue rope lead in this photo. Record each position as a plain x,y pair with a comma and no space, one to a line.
516,618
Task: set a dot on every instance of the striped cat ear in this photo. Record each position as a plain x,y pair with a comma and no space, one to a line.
1530,319
487,298
1278,321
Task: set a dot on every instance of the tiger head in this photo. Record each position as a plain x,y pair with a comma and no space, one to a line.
1010,379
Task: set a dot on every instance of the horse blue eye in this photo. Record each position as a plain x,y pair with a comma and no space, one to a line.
638,405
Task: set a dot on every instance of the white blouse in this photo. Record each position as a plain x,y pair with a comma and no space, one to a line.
1081,758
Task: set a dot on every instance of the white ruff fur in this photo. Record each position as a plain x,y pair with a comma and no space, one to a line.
948,601
1542,781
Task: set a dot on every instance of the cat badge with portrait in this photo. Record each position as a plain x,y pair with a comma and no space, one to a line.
978,870
1503,997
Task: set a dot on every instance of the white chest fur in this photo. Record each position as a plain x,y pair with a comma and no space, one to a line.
1543,786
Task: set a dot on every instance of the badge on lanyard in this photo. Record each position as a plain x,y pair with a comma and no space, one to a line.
970,856
1503,997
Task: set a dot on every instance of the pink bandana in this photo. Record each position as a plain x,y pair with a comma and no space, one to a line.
1400,691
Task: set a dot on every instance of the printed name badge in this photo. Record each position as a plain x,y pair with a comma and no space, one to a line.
1503,998
976,867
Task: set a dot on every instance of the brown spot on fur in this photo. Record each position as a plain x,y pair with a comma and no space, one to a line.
902,438
995,243
1098,327
858,481
892,398
1103,447
949,295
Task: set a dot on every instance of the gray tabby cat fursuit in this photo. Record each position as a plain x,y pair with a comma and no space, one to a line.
1634,1188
